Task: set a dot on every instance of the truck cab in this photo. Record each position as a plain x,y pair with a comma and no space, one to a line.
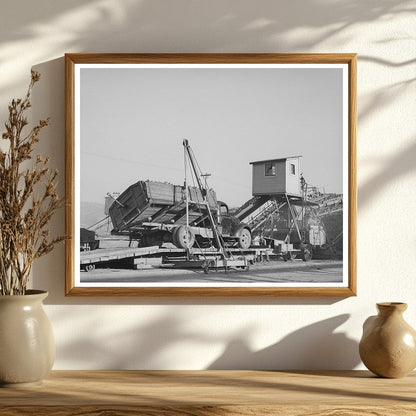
231,228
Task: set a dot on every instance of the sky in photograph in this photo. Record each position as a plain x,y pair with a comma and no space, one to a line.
133,122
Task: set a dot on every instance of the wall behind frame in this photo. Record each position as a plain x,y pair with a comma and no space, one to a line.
197,333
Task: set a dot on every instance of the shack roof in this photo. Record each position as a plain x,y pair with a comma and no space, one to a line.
274,160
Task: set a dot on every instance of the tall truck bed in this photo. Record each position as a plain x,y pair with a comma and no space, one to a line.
158,202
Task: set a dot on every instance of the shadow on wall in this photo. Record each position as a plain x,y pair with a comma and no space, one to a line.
152,345
48,100
241,26
314,347
146,346
390,170
151,26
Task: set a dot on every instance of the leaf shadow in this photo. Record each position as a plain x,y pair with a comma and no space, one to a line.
391,170
313,347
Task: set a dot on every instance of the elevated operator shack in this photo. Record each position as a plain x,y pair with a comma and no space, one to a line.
277,177
277,208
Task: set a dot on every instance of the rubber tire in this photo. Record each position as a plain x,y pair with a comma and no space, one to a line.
244,239
306,255
180,239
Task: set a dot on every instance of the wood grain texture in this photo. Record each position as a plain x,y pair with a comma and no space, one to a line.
69,174
204,393
257,58
325,58
341,292
210,411
352,175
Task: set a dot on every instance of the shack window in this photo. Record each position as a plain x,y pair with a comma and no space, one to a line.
292,169
270,169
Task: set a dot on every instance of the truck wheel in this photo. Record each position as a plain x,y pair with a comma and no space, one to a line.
306,254
89,267
183,237
244,239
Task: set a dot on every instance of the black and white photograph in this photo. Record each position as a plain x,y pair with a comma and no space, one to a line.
211,175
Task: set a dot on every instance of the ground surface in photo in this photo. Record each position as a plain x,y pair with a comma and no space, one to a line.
296,271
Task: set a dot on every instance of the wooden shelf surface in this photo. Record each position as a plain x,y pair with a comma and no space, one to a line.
205,393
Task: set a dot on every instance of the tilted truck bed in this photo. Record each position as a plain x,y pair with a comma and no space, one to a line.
158,202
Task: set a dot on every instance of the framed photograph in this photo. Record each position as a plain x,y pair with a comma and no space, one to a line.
211,174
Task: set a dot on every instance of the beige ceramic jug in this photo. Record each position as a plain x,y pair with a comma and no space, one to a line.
388,344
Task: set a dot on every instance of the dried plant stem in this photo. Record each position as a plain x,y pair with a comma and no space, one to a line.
23,217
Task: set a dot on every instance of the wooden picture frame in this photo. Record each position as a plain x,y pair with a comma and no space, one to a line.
312,107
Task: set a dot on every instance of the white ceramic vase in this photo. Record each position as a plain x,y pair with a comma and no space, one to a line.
27,347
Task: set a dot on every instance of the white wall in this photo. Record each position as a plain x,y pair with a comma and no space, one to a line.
199,333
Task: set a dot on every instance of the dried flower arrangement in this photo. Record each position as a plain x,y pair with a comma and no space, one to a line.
28,199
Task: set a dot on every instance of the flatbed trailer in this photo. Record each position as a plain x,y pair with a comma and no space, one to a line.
213,262
156,256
